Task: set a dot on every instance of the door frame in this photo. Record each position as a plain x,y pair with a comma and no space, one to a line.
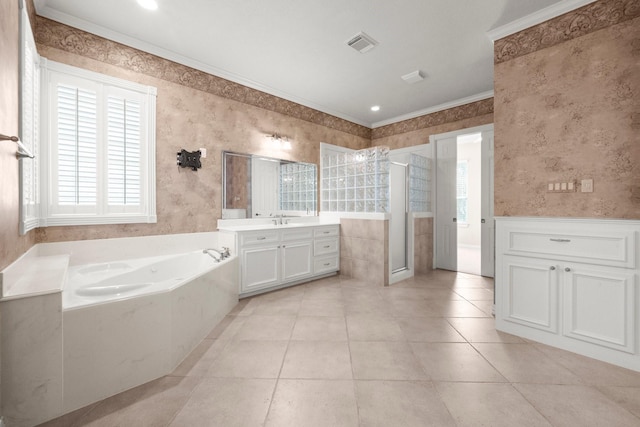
433,139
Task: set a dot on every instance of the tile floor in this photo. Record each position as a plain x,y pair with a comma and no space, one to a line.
337,352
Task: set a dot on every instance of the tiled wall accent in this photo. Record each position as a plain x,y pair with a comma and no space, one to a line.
423,245
456,114
364,250
577,23
73,40
570,112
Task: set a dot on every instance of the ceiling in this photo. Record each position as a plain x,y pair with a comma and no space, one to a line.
298,49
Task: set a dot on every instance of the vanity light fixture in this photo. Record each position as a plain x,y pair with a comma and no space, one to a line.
375,108
148,4
279,142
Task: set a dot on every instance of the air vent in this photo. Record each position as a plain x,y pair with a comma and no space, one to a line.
362,42
413,77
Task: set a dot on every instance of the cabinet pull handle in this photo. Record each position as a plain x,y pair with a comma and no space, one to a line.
327,264
261,238
326,232
553,267
326,247
567,269
560,240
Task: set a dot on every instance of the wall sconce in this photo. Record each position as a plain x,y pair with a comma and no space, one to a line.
279,142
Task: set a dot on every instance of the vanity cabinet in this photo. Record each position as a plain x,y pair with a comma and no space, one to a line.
284,256
571,283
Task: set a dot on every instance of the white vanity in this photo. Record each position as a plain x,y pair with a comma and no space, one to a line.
572,284
276,256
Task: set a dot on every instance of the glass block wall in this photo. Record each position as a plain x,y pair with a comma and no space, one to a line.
356,182
419,183
298,189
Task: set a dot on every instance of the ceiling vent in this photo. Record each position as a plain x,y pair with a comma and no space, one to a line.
362,42
413,77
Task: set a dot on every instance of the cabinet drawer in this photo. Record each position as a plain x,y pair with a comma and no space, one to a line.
297,234
326,264
258,237
603,248
325,246
328,231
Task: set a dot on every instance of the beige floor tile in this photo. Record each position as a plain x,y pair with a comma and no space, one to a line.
523,363
475,294
321,292
443,294
280,306
152,404
261,327
313,403
400,403
413,308
321,307
373,328
627,397
292,292
572,405
320,328
72,419
249,359
227,402
227,328
198,362
593,372
486,307
317,360
455,362
448,308
385,361
485,404
395,293
481,330
373,307
428,329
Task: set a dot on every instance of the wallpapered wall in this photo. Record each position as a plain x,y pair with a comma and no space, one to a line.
190,115
567,107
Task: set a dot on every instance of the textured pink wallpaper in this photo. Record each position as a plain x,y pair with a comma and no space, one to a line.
189,118
570,112
12,245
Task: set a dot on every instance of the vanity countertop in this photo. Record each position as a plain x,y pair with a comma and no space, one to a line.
242,225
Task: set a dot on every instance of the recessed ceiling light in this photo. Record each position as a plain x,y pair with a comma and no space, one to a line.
148,4
375,108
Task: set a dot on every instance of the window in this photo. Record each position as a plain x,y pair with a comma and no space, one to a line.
29,122
100,148
462,185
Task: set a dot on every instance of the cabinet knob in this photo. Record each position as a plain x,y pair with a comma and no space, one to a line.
553,267
567,269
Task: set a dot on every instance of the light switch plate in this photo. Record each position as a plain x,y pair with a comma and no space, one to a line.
587,186
203,153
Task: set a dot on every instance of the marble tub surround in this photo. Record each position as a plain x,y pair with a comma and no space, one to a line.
56,359
33,274
364,250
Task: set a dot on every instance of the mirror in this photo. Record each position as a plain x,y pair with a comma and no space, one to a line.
258,186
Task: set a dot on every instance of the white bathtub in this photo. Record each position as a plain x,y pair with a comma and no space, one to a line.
103,282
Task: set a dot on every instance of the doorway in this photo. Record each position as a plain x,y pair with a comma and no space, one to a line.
464,230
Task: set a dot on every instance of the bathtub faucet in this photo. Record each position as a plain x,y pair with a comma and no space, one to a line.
222,254
208,252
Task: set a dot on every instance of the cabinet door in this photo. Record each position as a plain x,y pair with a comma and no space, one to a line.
296,260
259,268
599,305
530,295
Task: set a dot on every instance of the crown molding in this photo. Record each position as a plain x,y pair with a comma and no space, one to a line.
63,18
536,18
435,109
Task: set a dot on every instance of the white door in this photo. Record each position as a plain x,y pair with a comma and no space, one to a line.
446,205
265,183
487,228
398,222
